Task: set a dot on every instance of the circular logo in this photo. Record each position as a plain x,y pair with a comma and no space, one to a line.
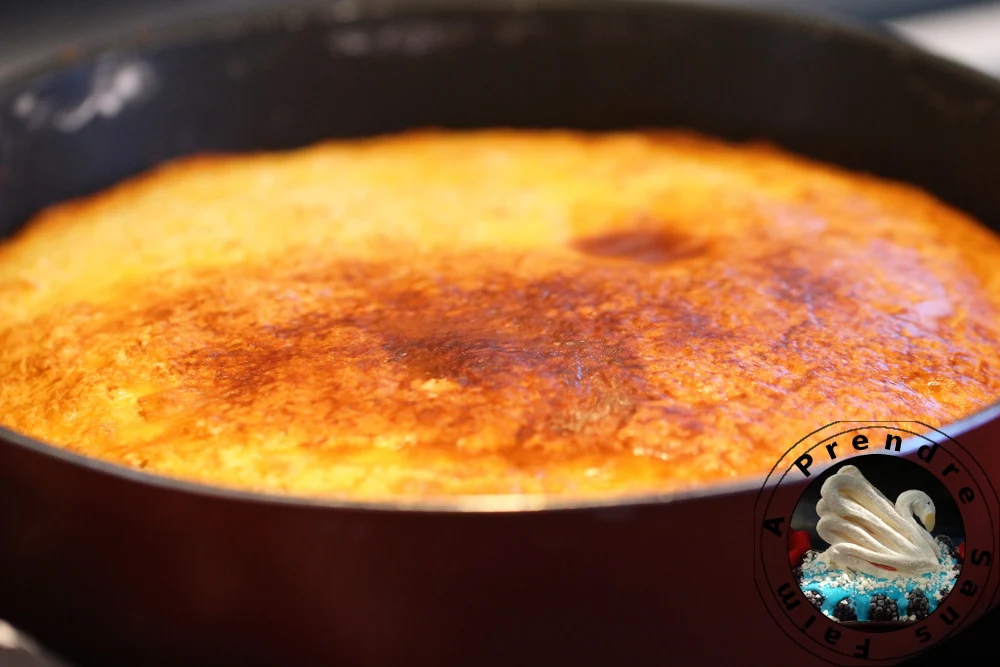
875,540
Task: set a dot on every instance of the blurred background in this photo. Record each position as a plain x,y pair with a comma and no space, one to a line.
967,30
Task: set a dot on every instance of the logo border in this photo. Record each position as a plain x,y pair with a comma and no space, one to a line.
766,597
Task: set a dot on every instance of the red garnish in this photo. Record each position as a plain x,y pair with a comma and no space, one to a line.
798,545
884,567
961,551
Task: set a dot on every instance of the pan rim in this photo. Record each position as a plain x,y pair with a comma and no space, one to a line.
234,24
457,504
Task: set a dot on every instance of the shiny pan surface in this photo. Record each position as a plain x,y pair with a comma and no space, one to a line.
112,566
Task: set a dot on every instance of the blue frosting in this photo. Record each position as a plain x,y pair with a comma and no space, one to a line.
836,585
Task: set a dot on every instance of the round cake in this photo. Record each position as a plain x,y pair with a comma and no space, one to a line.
491,312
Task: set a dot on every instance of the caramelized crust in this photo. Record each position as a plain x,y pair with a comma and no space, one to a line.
491,312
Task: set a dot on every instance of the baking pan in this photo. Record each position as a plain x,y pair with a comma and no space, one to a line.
110,566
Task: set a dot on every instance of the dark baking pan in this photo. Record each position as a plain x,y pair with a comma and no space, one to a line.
117,567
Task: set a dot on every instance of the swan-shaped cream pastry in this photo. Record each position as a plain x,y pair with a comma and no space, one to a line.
866,531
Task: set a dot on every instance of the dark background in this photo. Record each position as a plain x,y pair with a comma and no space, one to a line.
31,29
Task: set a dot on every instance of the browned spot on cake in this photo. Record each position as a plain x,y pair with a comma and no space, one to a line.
536,351
651,246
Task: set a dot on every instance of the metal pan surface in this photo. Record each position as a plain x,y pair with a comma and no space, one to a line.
110,566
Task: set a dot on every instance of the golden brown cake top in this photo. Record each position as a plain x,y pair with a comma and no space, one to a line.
443,313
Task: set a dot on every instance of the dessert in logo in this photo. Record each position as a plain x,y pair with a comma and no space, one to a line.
882,563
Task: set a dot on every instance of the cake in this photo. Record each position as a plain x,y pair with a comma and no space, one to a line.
443,313
881,565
